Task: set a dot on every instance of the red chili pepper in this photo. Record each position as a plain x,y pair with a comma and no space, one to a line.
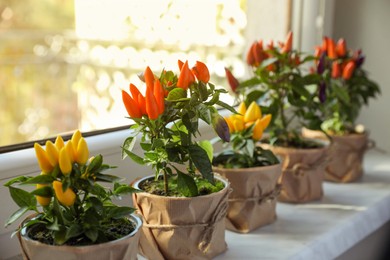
331,49
186,78
201,72
151,105
233,82
250,58
336,70
348,70
258,52
131,106
142,104
341,47
159,96
288,43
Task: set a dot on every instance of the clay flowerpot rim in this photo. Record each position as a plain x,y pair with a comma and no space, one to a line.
133,217
216,176
325,144
240,170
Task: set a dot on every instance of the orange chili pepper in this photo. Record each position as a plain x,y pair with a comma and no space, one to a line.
336,70
180,64
250,58
348,70
186,78
151,105
331,49
318,51
149,77
142,104
201,72
233,82
341,47
159,96
324,46
134,92
288,43
130,105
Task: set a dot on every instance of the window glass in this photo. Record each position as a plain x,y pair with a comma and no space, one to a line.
63,63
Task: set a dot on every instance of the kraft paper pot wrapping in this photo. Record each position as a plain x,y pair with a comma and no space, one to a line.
181,227
302,173
252,203
345,156
123,248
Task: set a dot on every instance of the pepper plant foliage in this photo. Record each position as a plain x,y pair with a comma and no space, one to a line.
74,206
169,136
345,87
282,88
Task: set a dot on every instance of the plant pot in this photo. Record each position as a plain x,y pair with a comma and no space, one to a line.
123,248
302,173
252,203
346,155
182,227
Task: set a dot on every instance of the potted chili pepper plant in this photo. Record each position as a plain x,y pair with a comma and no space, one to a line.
344,89
281,87
252,171
77,218
183,204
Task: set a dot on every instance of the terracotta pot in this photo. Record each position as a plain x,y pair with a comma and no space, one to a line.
346,155
123,248
302,173
252,203
182,227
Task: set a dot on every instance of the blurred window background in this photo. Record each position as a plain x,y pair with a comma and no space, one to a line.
63,63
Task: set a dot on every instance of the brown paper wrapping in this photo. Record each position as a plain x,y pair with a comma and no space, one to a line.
345,156
124,248
252,203
180,227
302,173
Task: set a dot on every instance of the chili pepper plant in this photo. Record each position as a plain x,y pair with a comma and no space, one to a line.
70,205
282,88
345,87
167,120
246,129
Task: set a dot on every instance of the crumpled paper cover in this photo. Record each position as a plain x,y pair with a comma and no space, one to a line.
252,203
181,227
302,173
346,154
124,248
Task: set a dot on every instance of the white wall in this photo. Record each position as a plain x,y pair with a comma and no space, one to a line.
366,25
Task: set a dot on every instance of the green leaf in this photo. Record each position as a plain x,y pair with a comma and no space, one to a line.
135,157
16,180
226,106
128,144
186,185
92,234
176,94
119,212
201,161
22,198
204,113
60,236
124,189
73,231
96,163
97,204
16,215
208,147
40,179
203,91
44,192
341,93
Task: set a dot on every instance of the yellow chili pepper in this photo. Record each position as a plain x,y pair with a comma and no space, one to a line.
43,201
238,124
59,142
65,161
242,108
67,197
52,153
43,159
70,150
257,130
230,124
75,139
82,152
265,120
252,113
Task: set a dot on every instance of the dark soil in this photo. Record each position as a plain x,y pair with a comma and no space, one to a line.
115,230
156,187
